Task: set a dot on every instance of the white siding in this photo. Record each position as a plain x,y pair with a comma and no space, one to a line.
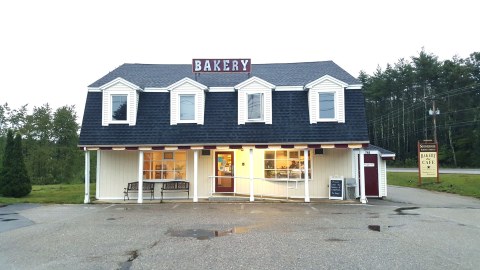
326,86
382,177
187,88
117,168
334,162
132,103
251,88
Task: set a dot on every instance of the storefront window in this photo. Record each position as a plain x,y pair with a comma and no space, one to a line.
165,165
286,164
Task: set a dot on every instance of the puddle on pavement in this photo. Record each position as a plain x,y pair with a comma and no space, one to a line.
2,205
8,219
400,211
396,226
335,240
133,255
6,214
202,234
375,228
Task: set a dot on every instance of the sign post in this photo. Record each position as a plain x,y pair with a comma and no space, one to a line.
427,160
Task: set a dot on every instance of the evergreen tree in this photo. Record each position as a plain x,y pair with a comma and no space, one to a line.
6,172
15,180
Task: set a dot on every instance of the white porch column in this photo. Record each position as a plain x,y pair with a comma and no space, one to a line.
305,162
87,177
140,177
361,173
97,180
252,198
195,176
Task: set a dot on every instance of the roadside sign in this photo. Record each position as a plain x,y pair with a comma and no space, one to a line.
427,160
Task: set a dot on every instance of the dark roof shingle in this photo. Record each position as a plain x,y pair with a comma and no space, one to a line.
290,122
287,74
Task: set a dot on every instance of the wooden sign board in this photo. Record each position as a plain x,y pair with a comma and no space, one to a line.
427,160
336,188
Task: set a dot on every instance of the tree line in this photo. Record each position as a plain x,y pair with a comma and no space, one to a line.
49,142
400,103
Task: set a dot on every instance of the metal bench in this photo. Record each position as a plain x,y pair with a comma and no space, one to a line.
133,188
175,186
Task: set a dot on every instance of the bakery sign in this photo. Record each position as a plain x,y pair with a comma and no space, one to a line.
221,65
427,159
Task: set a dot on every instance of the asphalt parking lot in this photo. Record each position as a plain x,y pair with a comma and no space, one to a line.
384,234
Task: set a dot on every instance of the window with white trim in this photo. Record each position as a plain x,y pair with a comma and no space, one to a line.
286,164
326,105
167,165
255,107
187,107
119,107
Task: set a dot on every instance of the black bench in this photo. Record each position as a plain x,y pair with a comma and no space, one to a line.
133,188
176,186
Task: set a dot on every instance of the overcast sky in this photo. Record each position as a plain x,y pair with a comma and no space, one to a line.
50,51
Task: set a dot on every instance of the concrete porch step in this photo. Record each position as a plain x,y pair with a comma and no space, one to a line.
228,199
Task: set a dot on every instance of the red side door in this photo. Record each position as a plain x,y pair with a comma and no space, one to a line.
371,175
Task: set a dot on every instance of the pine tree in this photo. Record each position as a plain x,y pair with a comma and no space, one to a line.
5,173
14,177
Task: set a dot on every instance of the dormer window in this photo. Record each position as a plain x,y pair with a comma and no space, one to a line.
326,100
254,101
326,106
120,102
187,108
255,107
187,102
119,107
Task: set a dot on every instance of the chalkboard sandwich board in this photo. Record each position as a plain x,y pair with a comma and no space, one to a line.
336,188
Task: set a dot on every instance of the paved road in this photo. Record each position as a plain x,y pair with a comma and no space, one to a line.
412,229
458,171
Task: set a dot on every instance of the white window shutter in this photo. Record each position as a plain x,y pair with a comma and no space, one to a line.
268,107
173,108
200,103
313,105
105,108
242,107
340,105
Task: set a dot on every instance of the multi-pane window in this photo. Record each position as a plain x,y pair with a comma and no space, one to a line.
326,105
187,107
119,107
286,164
255,107
165,165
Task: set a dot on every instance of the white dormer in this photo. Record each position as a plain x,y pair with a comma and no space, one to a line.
254,101
187,102
120,102
326,100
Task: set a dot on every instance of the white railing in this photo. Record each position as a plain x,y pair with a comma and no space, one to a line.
261,185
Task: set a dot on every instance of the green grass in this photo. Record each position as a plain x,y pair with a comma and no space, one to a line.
62,193
462,184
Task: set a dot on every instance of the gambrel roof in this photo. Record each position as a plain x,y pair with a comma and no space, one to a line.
163,75
290,109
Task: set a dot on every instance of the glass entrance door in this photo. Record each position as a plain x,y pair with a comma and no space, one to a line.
224,165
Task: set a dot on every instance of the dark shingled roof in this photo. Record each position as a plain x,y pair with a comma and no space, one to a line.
382,151
290,122
289,74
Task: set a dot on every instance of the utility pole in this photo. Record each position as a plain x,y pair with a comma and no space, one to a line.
434,121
